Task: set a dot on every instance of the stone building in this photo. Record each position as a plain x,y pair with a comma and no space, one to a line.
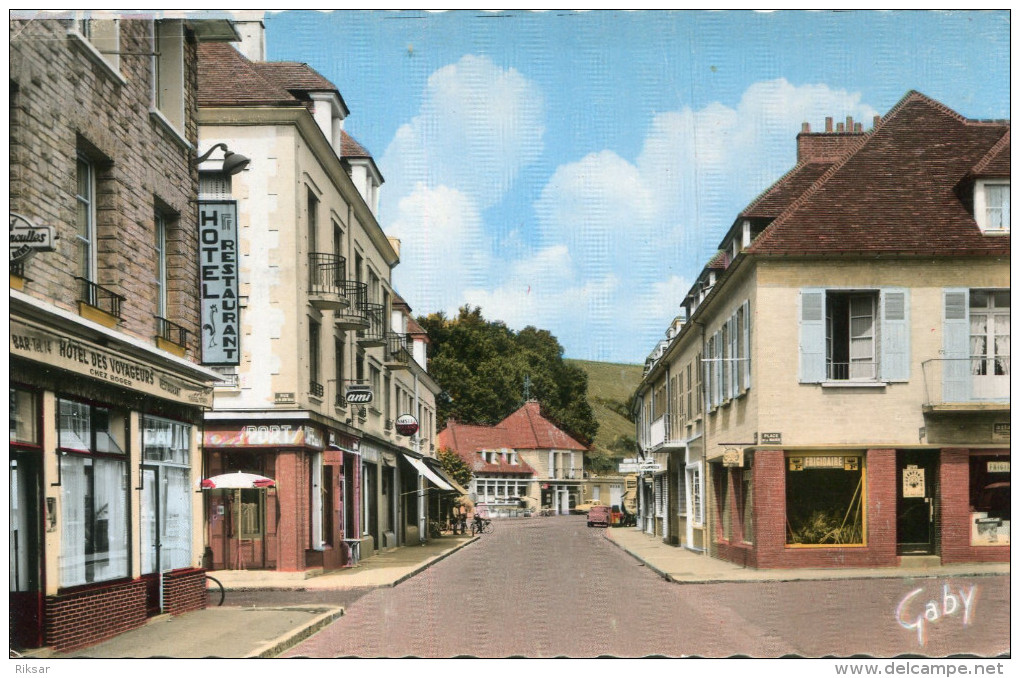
106,390
836,391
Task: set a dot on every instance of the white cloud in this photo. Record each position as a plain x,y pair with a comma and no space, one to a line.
478,126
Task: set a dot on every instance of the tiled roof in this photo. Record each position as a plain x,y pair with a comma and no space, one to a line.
895,194
996,161
227,78
468,439
351,148
719,261
778,197
291,75
525,429
414,328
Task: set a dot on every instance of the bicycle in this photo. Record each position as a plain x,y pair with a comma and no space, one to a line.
482,526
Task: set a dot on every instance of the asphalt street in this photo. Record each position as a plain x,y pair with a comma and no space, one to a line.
549,587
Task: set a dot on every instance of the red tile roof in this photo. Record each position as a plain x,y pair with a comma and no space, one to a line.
896,192
291,75
996,161
351,148
525,429
779,195
227,78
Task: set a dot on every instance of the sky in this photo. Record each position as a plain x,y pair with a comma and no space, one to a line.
575,171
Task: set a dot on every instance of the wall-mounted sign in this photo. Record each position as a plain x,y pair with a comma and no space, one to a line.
104,364
733,457
771,438
998,467
406,425
825,462
27,237
358,393
275,435
1000,431
913,481
217,232
284,398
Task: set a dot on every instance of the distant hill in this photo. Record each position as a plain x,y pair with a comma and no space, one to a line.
610,387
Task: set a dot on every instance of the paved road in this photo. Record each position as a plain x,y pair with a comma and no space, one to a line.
547,587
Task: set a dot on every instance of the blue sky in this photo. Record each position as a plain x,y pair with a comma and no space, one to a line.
574,171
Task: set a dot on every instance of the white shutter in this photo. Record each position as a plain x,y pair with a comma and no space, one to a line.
956,345
717,373
812,335
894,335
746,354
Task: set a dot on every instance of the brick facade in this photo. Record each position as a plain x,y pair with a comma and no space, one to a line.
63,103
954,513
184,591
79,619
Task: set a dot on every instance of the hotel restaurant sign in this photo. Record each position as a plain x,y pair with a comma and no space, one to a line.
218,263
99,362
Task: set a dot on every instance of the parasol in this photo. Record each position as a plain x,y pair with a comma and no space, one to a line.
237,481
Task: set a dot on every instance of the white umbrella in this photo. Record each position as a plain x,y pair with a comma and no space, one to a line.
237,481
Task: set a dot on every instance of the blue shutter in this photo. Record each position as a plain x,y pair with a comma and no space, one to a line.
747,345
955,345
812,335
894,335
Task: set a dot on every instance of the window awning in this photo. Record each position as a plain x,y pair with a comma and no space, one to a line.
427,472
434,464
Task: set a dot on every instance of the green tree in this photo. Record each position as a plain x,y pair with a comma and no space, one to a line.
482,367
454,466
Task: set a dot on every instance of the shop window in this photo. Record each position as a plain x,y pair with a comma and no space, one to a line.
695,499
989,500
253,513
24,418
94,493
165,495
824,500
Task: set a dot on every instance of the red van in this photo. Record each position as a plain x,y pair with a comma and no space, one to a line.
598,515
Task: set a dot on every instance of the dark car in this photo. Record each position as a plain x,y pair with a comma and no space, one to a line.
598,515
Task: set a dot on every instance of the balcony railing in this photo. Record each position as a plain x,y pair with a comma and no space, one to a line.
374,334
172,332
325,280
99,297
853,371
353,317
398,353
316,389
966,383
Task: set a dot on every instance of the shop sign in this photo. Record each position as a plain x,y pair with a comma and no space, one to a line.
101,363
771,438
998,467
825,462
27,238
406,425
913,482
275,435
359,394
1000,431
733,457
284,398
217,231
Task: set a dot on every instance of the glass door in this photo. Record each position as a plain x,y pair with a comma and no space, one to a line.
25,552
989,344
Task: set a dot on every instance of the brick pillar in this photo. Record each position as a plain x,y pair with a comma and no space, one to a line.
769,506
881,516
290,553
954,505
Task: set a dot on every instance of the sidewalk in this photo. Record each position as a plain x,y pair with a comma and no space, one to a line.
243,632
677,564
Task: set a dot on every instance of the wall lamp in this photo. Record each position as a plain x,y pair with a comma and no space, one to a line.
232,162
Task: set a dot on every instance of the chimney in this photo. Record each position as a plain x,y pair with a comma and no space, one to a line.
858,127
878,119
827,146
839,128
253,39
849,124
828,125
805,128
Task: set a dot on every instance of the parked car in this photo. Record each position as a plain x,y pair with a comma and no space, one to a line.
598,515
615,515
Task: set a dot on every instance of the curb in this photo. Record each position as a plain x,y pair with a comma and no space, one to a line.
429,563
285,642
849,576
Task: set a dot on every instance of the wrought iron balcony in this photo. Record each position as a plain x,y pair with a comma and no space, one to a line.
170,331
858,370
354,316
326,281
99,297
398,350
966,384
374,334
316,389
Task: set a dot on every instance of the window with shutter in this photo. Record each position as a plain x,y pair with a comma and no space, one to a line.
812,335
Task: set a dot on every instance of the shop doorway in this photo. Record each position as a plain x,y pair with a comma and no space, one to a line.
25,550
915,502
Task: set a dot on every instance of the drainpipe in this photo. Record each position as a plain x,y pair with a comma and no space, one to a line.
704,442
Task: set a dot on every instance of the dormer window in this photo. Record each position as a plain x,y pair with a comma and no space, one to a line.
991,205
